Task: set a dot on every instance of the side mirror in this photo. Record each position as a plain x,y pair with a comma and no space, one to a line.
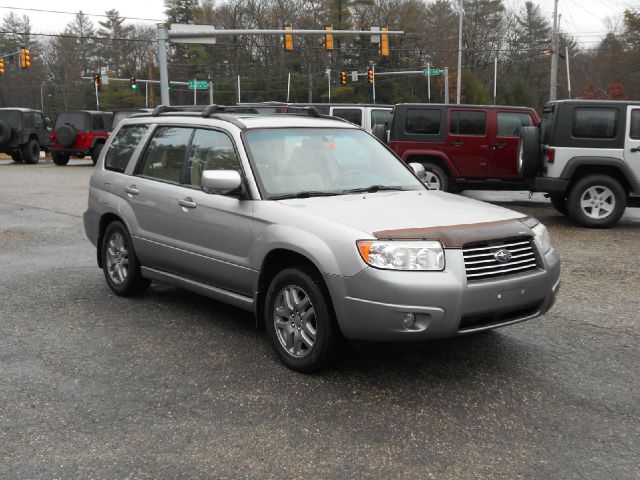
418,169
47,122
221,182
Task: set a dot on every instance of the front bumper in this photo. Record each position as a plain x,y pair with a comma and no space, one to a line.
373,304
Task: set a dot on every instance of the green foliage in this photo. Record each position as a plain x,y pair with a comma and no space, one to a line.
473,91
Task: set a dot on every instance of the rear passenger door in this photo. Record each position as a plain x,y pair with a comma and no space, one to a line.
632,140
213,231
469,143
504,162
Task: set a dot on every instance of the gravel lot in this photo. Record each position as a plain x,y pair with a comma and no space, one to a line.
174,385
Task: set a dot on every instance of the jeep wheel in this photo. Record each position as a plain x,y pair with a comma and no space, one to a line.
95,153
559,202
5,133
60,159
299,320
529,156
436,178
16,157
596,201
31,152
119,262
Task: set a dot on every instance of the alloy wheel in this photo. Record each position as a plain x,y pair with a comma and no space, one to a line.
295,322
597,202
117,258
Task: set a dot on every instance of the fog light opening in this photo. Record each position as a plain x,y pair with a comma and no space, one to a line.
409,320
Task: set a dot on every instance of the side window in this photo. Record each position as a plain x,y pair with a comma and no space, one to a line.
380,117
97,124
123,146
210,150
468,122
634,130
38,121
422,121
594,122
353,115
166,153
509,123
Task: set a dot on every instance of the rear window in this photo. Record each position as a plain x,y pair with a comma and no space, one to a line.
634,131
594,122
80,120
545,126
468,122
422,121
10,117
509,123
353,115
123,146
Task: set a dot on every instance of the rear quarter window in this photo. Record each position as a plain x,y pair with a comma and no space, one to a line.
123,146
422,121
509,123
594,122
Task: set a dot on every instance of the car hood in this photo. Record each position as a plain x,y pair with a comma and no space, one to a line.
373,213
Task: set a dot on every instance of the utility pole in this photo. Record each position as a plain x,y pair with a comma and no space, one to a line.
446,85
328,72
553,93
495,80
459,84
163,38
429,83
149,88
288,86
373,83
566,55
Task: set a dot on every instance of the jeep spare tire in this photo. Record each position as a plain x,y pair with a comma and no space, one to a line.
529,152
5,133
66,135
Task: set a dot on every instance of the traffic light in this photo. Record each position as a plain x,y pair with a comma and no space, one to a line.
1,66
288,40
328,39
97,78
370,75
133,82
25,58
343,78
384,42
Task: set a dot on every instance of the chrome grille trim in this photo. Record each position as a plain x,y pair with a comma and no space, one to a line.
480,263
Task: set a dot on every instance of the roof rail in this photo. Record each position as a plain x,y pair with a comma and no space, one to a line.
160,109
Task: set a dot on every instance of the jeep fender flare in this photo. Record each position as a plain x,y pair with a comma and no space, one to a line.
406,156
98,140
610,162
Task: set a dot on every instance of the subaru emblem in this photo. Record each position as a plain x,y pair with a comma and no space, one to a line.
502,256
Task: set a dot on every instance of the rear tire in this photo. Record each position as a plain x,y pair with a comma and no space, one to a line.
95,153
31,152
120,263
299,320
436,178
559,202
60,159
596,201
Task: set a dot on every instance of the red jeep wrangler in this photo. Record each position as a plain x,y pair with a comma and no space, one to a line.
79,133
462,146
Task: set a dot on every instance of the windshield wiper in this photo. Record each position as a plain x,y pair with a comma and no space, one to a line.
307,194
374,189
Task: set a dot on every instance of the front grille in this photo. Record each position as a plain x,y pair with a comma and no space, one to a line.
470,322
481,263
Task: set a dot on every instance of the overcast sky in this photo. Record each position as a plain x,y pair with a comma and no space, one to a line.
585,19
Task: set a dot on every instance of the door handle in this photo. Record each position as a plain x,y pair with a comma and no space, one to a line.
132,190
487,147
457,144
500,145
187,203
635,149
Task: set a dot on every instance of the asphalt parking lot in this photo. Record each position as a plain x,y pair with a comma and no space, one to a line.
174,385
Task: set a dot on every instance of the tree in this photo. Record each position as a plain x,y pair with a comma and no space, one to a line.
116,47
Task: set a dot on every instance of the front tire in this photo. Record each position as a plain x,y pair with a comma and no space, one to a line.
119,262
299,320
436,178
31,152
60,159
596,201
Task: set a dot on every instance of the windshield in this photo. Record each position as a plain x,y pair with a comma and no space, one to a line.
80,120
293,161
12,117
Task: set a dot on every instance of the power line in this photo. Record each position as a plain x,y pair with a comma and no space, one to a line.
40,10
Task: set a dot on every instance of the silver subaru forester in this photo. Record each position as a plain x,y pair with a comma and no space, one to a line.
312,224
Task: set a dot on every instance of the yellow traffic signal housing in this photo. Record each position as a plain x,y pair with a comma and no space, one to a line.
98,81
328,39
288,40
1,66
25,58
384,42
370,75
343,78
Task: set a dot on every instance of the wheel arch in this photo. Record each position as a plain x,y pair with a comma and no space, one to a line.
579,167
435,157
105,221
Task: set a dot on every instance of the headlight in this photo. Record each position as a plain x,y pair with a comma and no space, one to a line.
542,238
403,255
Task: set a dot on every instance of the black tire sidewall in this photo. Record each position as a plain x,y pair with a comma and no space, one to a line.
325,329
559,202
95,152
445,183
578,189
134,283
60,159
529,152
31,152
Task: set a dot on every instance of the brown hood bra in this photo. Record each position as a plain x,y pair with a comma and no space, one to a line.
455,236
